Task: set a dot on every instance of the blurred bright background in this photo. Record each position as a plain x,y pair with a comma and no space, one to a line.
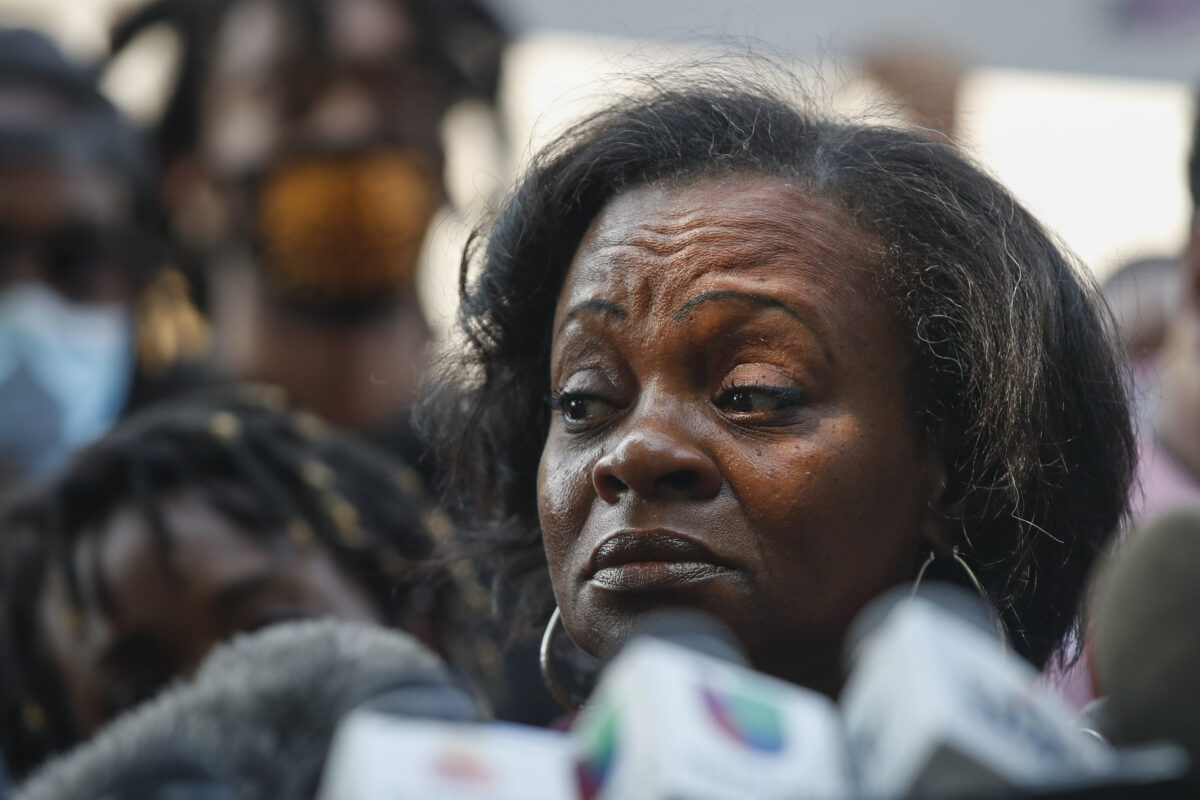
1083,107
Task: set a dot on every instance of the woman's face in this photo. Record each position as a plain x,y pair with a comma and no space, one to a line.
731,428
145,625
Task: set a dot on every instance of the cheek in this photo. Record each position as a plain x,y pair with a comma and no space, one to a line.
68,651
835,509
565,497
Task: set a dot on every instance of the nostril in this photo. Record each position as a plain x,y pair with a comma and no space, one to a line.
653,462
682,480
610,484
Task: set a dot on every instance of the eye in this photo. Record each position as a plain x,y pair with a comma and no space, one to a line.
758,399
579,408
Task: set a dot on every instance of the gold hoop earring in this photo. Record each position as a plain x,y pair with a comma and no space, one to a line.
957,558
545,660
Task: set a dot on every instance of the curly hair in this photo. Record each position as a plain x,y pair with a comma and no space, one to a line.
1014,375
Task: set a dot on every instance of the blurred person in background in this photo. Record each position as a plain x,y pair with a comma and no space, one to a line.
189,523
303,161
1156,305
1169,382
90,325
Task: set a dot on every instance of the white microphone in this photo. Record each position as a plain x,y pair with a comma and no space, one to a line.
378,756
668,721
935,707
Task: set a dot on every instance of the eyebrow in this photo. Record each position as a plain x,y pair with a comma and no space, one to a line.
243,589
595,304
752,297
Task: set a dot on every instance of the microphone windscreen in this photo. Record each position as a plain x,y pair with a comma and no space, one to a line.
263,707
1146,634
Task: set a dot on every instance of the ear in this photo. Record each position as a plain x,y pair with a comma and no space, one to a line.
943,505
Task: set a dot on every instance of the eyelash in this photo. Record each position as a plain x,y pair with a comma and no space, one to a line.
784,397
787,396
560,397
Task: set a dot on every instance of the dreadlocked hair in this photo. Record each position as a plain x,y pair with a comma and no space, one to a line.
281,477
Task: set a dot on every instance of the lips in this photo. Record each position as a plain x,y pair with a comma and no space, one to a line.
655,560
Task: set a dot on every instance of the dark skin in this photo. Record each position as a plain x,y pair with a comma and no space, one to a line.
144,626
266,99
64,224
732,430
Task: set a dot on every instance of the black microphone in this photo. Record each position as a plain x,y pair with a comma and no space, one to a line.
1146,636
262,710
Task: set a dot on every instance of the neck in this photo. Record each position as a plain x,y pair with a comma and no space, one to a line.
814,667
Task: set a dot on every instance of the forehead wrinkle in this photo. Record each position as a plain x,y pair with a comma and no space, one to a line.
742,240
658,241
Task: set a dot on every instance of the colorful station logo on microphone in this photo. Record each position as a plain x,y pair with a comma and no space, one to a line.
460,765
599,750
749,720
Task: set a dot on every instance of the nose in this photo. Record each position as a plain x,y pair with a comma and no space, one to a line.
655,462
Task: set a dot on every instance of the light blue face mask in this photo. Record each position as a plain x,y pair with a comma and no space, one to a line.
65,372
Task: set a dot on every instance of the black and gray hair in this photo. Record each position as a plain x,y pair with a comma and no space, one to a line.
1014,377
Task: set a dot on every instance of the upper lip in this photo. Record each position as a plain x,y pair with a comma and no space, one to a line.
632,546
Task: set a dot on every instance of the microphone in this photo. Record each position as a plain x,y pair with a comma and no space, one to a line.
412,742
378,756
935,707
678,714
1146,638
263,708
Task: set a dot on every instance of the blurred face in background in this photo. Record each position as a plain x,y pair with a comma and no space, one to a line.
150,616
67,226
71,252
274,91
325,139
333,135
